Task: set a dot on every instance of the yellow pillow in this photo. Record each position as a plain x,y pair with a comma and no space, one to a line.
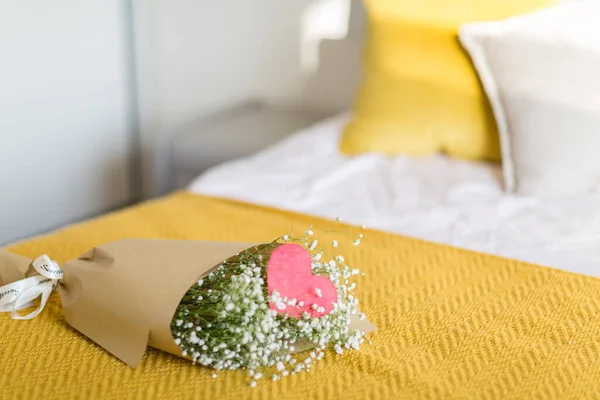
421,94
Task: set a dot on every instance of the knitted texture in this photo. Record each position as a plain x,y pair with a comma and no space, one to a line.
451,323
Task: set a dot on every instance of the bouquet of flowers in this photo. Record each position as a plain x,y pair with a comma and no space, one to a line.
254,306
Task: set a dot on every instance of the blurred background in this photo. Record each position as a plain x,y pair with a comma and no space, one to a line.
95,95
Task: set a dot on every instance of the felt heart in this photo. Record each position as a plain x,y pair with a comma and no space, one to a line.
289,271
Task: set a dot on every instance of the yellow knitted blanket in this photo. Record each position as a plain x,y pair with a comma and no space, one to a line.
451,323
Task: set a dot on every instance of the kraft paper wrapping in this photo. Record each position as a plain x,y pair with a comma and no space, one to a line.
123,295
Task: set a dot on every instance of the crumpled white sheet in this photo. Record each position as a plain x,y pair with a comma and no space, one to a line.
435,198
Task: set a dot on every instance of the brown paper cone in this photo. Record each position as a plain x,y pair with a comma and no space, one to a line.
123,295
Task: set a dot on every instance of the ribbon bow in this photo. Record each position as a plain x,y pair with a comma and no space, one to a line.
20,294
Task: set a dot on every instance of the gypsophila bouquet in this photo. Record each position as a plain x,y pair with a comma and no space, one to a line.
274,306
269,306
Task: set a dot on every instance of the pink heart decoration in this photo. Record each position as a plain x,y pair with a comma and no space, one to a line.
289,271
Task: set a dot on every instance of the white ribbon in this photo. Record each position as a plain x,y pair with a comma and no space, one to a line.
20,294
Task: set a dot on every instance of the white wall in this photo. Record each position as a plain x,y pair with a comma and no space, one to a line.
64,122
198,56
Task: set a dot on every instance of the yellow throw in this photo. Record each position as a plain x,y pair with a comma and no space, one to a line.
450,323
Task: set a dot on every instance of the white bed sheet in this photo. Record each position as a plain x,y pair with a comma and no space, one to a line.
459,203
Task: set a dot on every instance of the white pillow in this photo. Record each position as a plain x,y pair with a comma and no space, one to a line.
541,73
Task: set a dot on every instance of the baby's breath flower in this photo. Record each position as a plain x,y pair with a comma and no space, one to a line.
225,321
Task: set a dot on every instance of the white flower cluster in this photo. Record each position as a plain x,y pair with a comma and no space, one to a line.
232,326
225,322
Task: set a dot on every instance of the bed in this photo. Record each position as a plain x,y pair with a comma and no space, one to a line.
451,322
